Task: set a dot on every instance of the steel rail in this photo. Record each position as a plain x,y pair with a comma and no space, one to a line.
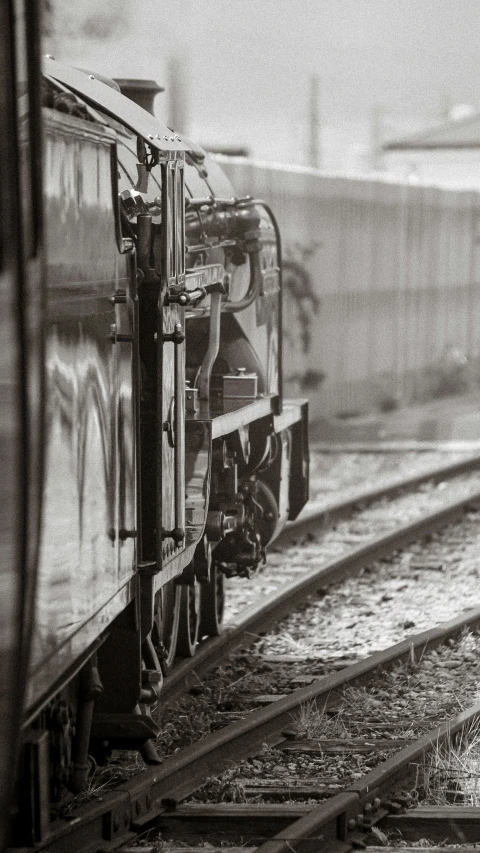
337,823
330,824
119,816
311,516
451,824
256,620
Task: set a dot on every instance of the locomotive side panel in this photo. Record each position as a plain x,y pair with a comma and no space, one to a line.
88,545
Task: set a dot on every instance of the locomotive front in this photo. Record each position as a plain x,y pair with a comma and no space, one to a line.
171,458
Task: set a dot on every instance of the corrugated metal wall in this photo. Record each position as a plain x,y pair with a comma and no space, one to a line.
395,271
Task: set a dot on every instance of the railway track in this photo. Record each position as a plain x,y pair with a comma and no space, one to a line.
258,618
151,799
344,822
315,511
118,817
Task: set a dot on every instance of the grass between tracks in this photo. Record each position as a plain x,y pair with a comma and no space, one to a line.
450,773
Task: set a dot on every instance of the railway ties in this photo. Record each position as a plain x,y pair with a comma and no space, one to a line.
267,608
377,798
348,810
159,794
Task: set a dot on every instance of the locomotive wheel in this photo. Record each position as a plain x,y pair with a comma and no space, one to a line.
189,622
268,520
212,603
165,629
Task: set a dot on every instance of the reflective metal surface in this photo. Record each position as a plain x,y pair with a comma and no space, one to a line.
171,340
173,439
88,533
99,94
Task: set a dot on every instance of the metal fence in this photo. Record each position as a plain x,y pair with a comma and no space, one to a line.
381,286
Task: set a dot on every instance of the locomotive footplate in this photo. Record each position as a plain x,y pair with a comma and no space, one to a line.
233,413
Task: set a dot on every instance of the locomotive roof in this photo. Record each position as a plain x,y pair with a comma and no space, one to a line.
103,96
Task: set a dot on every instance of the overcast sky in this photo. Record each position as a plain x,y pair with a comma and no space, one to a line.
248,63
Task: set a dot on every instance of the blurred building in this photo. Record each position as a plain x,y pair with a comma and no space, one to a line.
448,155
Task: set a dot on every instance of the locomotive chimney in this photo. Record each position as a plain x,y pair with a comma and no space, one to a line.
143,92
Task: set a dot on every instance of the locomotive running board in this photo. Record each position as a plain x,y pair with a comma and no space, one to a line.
225,422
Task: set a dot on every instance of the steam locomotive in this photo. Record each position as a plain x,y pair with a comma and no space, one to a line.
148,449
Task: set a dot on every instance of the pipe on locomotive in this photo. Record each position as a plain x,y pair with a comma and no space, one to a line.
143,93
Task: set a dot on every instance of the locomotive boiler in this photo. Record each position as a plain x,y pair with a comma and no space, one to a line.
170,458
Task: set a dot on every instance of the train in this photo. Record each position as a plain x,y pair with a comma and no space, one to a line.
147,449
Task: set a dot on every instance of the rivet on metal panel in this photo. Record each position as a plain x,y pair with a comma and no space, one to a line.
166,138
150,136
91,77
172,139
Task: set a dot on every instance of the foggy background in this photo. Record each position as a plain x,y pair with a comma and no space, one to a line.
244,71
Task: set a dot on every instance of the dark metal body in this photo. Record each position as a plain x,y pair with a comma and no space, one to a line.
156,276
21,289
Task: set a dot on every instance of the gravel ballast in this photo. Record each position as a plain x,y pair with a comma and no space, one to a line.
399,706
426,584
331,541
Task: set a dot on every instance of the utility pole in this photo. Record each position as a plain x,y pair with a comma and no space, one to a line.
314,157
